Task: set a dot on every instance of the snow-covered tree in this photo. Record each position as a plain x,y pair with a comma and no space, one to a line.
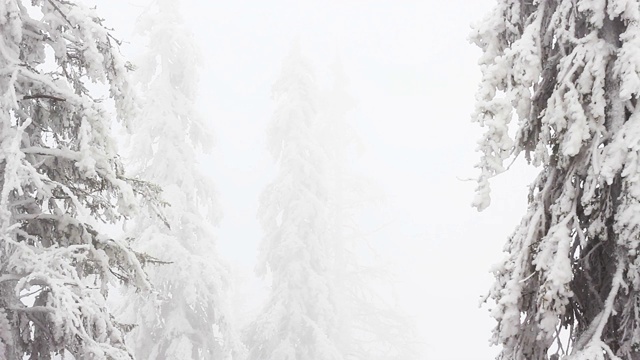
189,319
60,178
369,326
323,302
569,71
299,320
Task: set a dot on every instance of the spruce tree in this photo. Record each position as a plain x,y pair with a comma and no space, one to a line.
60,179
299,320
322,304
189,318
569,71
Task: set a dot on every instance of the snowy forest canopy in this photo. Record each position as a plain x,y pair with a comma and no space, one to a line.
242,180
109,245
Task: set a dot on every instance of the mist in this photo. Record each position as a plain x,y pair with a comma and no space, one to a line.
330,211
412,75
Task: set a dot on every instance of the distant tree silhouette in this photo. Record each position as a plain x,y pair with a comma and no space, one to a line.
190,317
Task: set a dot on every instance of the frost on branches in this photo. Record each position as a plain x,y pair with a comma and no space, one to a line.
569,71
189,319
60,178
299,320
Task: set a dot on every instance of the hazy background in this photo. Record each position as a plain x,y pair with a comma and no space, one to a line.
413,75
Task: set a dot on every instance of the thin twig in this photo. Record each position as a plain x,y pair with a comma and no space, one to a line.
64,16
119,42
43,96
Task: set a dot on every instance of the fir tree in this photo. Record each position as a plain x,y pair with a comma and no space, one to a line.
322,304
300,318
569,285
189,319
60,178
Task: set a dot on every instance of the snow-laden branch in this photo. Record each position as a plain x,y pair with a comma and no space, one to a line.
568,71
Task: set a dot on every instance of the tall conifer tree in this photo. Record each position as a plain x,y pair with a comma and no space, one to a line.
322,303
190,318
60,178
569,285
299,320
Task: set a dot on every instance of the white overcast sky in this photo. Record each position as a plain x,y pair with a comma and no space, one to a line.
413,74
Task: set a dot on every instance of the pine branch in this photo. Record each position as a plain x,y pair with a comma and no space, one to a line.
144,258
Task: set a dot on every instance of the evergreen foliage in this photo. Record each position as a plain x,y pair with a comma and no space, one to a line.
323,302
569,71
299,320
189,318
60,179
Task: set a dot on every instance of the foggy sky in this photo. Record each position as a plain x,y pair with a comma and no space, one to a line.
413,75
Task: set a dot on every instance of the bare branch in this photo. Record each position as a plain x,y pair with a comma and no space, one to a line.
64,16
43,96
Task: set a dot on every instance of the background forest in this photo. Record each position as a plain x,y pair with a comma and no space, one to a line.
204,96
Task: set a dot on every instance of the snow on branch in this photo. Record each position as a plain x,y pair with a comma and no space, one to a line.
568,72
